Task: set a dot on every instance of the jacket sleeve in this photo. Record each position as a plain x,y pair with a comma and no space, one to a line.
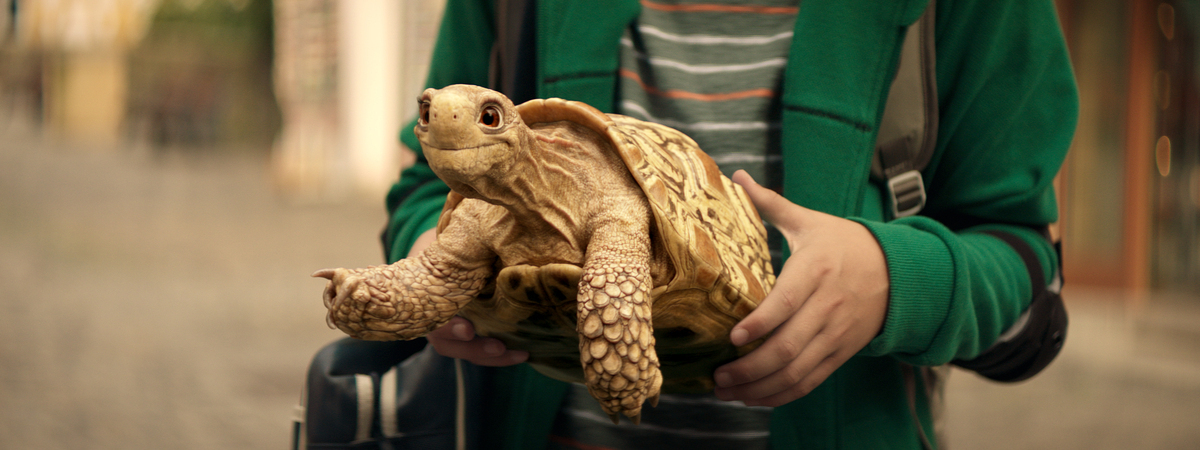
460,56
1008,107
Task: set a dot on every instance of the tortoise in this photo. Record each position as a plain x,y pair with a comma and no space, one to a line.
610,248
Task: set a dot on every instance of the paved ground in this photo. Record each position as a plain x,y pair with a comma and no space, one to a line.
159,302
1128,377
164,302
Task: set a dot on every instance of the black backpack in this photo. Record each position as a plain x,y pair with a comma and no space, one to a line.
389,395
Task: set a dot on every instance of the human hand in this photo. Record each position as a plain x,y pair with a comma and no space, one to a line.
829,301
457,339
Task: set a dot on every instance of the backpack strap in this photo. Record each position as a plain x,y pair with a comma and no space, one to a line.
908,130
1029,345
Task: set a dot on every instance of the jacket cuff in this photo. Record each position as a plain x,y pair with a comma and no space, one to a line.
921,279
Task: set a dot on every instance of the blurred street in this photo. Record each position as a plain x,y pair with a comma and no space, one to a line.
163,300
159,301
1128,377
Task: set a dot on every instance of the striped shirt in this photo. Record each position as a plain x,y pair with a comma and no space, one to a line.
712,69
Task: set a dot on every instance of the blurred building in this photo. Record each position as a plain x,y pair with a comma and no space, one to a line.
66,59
201,77
1130,187
105,74
347,74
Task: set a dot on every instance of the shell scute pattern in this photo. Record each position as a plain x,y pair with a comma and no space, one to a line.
676,175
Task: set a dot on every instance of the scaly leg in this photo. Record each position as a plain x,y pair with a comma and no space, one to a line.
616,337
405,300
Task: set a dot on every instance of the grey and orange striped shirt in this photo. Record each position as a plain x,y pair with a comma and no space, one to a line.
713,71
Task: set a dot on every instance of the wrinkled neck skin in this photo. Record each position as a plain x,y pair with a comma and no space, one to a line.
490,184
533,183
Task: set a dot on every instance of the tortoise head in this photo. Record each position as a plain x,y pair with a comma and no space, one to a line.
471,137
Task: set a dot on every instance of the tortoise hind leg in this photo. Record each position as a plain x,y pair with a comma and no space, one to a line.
616,344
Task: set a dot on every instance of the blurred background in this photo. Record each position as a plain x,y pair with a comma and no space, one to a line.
172,170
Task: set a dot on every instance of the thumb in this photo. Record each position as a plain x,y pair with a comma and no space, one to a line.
771,206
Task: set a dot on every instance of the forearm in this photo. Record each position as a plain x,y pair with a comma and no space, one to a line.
952,294
1007,114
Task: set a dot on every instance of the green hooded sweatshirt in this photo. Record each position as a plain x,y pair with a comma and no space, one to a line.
1008,107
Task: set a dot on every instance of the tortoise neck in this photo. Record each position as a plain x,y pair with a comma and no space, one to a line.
547,184
541,185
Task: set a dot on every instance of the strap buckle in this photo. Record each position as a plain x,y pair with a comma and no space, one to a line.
907,191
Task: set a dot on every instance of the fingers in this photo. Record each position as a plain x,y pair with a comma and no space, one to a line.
780,366
828,302
795,283
792,342
482,351
457,339
814,379
457,328
791,292
773,207
780,389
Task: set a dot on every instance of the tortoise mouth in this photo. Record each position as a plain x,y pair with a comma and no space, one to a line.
457,149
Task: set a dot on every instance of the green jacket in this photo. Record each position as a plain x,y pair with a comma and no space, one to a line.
1008,107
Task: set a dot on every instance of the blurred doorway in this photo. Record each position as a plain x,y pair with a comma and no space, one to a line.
1131,184
1176,241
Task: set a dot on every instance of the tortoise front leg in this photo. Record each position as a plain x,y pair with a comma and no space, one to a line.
616,337
404,300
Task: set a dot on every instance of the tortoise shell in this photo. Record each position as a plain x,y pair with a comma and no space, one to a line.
704,225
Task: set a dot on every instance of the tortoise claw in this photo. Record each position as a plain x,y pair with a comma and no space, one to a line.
616,418
327,296
337,291
332,302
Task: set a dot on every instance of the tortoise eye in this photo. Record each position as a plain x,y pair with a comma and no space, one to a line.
490,116
423,113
